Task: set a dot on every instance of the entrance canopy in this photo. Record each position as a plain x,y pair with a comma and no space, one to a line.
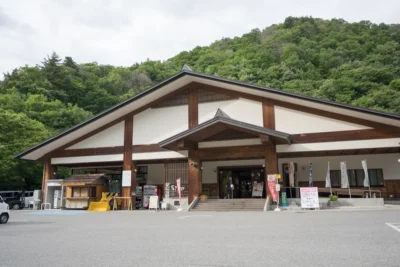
222,127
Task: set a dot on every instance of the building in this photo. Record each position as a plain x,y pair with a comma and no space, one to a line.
205,130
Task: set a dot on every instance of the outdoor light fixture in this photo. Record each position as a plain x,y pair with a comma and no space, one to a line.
134,170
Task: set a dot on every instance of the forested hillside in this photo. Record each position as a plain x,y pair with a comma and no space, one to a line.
353,63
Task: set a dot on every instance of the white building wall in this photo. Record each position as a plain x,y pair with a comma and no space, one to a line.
295,122
154,125
387,162
209,173
240,109
113,136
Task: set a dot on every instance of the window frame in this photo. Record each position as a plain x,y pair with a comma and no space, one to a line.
353,173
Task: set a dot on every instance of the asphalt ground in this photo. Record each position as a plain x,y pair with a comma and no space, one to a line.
142,238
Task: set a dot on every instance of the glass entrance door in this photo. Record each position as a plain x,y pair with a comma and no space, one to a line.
242,179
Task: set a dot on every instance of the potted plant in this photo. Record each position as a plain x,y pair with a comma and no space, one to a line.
203,196
333,201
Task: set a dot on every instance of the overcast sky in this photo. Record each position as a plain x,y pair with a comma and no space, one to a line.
123,32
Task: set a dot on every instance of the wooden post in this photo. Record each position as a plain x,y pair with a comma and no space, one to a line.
271,160
48,174
127,160
193,107
194,176
194,180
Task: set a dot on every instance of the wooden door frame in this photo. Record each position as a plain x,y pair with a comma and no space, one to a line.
219,168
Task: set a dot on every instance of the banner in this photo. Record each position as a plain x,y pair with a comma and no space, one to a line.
310,183
328,178
291,174
345,178
178,184
309,198
272,186
366,177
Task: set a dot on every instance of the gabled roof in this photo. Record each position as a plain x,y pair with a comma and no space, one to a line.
222,118
187,76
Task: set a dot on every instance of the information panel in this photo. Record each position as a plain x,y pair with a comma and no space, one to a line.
126,178
309,197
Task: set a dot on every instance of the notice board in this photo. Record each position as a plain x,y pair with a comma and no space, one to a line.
309,197
153,204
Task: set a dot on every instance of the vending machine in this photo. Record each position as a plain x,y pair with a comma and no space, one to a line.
150,190
139,196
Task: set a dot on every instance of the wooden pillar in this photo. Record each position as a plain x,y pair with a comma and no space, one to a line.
194,176
193,106
127,161
268,114
271,160
48,174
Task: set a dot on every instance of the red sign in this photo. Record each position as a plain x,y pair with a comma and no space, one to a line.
178,184
272,186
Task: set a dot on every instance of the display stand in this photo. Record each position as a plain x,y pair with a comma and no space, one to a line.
115,204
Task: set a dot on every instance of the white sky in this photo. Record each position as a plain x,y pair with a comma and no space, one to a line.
124,32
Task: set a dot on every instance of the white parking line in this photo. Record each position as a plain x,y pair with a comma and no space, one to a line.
395,226
185,217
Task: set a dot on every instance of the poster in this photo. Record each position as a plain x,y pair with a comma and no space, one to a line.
126,178
272,186
309,197
257,189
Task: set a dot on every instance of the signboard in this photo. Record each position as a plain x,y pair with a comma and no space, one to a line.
284,203
153,204
278,187
272,186
126,178
257,189
309,197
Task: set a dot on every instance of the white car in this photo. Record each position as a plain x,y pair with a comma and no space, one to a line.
4,211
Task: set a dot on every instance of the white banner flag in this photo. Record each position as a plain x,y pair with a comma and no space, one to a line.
328,178
291,174
366,177
345,178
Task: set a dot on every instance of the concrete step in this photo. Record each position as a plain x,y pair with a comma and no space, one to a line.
230,205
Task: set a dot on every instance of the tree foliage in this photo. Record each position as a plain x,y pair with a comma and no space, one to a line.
353,63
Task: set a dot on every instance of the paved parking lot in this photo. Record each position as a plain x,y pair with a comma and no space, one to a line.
141,238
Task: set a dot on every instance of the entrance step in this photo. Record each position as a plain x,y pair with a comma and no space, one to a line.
240,204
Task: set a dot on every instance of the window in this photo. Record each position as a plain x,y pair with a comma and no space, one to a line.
335,178
356,177
375,177
84,192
